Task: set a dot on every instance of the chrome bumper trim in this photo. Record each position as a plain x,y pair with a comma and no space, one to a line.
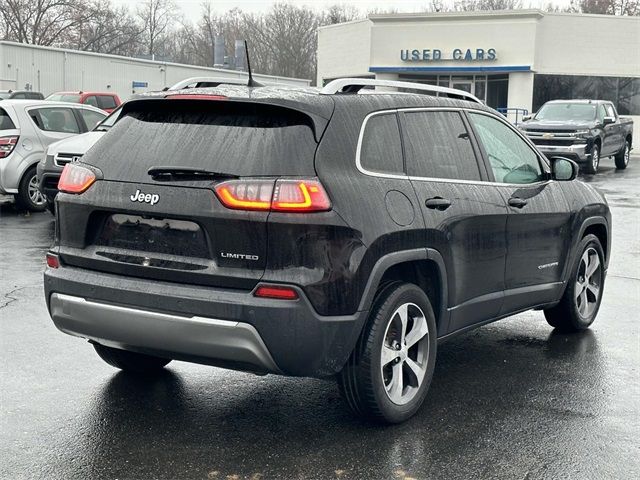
579,150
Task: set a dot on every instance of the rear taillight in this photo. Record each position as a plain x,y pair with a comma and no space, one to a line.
7,144
285,195
246,194
75,178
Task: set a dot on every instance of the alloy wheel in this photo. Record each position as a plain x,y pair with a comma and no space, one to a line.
405,353
595,159
626,154
37,199
588,283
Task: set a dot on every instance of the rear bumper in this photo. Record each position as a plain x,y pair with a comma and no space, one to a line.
121,327
579,153
228,328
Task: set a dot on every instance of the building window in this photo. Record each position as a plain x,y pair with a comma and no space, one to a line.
624,92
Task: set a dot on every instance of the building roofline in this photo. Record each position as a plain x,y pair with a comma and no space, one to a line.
386,17
524,13
352,22
233,73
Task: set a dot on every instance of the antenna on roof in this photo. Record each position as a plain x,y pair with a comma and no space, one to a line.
252,82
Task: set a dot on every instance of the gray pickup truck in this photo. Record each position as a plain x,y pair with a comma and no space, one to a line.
582,130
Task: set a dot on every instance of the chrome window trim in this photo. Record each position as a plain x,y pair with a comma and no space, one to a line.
395,111
359,147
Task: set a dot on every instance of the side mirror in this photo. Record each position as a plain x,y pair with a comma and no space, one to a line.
563,169
526,118
608,120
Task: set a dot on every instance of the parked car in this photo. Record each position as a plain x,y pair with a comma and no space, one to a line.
103,100
20,95
583,130
318,233
27,127
68,150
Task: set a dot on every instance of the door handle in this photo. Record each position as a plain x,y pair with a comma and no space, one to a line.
517,202
437,203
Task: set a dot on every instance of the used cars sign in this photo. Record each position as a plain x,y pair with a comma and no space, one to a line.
468,55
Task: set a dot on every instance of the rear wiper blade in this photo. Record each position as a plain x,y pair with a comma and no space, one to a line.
187,172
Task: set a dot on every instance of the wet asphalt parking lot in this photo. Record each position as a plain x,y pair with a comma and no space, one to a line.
511,400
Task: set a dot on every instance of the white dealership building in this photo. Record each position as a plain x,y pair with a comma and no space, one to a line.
509,59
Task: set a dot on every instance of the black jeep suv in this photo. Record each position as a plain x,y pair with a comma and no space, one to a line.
318,233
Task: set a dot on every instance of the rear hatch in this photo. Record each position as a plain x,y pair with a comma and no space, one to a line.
173,227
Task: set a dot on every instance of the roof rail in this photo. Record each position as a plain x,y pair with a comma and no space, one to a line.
202,82
354,85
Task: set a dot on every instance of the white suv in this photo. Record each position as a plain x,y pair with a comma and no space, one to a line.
27,127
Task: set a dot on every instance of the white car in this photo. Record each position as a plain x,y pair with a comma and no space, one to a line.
65,151
27,128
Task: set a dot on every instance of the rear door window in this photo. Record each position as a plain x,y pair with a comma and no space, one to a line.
55,119
381,150
106,102
244,139
437,145
5,120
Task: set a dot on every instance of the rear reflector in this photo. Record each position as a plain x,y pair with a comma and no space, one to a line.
286,195
276,291
52,260
75,178
7,144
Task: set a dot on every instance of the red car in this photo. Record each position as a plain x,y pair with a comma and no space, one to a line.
104,100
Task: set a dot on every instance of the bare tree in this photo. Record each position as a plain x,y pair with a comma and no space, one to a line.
106,29
339,14
610,7
158,16
284,40
39,22
476,5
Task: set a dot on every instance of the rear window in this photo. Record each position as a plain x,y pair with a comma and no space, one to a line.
244,139
106,101
56,97
5,121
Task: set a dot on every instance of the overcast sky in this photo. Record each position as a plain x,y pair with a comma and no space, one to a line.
191,8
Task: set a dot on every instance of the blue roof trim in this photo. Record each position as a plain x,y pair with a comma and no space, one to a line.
504,68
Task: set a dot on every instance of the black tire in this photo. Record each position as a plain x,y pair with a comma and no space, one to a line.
362,382
23,198
130,361
622,157
592,165
566,316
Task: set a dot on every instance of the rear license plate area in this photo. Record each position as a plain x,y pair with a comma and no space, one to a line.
164,236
